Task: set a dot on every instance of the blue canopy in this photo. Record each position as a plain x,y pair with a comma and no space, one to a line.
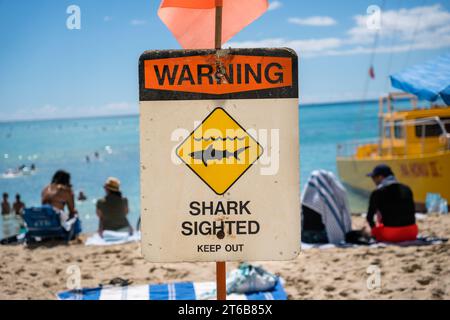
427,81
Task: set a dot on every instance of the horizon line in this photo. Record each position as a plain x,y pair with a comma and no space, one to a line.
306,104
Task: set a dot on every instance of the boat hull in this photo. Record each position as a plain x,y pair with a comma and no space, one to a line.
423,174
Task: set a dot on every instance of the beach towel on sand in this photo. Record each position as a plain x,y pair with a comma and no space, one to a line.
324,194
112,238
420,241
171,291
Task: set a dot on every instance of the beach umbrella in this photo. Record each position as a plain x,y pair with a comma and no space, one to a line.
193,22
428,81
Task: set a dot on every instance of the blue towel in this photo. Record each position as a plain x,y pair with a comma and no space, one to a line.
171,291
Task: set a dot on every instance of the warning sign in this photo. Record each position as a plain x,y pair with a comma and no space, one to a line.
219,151
240,73
219,148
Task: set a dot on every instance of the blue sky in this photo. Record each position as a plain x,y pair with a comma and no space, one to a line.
49,71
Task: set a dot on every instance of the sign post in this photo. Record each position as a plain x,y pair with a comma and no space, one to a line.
219,146
221,268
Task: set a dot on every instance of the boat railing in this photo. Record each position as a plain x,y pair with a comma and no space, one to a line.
385,104
349,148
389,145
421,126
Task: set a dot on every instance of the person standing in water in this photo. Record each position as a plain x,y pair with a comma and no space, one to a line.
112,210
6,207
18,206
82,196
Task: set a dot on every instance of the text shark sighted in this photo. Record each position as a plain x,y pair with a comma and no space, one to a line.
224,227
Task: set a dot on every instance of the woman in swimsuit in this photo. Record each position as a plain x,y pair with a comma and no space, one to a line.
59,194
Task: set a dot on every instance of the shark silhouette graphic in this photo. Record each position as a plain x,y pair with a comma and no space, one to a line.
212,154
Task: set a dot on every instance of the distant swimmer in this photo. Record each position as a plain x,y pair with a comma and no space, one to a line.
212,154
88,159
6,207
33,167
18,206
81,196
24,170
97,155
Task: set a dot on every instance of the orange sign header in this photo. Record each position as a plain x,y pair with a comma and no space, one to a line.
212,75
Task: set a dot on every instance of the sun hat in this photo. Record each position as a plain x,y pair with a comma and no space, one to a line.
112,184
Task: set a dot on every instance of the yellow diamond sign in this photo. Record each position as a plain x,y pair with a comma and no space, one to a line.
219,151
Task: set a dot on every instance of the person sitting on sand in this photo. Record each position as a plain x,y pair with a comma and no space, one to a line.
6,207
393,204
18,206
112,210
59,194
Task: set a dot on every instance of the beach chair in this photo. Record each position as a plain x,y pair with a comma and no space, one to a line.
43,223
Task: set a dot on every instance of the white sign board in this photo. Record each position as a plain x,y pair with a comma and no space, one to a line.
219,146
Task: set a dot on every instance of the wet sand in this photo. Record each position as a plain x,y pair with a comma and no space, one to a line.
406,273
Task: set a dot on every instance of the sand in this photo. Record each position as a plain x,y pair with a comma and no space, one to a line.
406,273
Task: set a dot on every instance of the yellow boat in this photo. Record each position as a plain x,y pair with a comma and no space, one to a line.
415,143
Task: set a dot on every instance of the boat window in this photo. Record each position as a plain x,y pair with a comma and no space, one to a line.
432,129
387,129
398,129
446,122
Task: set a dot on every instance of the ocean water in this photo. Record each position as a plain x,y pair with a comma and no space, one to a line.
64,144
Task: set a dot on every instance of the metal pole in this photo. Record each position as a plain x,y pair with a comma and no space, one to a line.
221,280
221,284
218,29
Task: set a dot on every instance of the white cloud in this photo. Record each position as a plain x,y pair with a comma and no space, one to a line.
107,18
137,22
307,47
273,5
419,28
61,112
316,21
404,24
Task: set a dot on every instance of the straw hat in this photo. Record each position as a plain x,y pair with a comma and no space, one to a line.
112,184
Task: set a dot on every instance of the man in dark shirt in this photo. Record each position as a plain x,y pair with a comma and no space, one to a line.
393,204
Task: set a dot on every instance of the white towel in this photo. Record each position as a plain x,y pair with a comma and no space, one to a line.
112,238
324,194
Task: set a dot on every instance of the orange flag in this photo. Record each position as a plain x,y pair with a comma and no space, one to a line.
192,22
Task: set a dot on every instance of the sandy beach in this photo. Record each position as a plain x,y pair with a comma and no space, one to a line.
406,273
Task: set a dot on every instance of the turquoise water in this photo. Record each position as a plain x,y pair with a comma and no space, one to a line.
64,144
